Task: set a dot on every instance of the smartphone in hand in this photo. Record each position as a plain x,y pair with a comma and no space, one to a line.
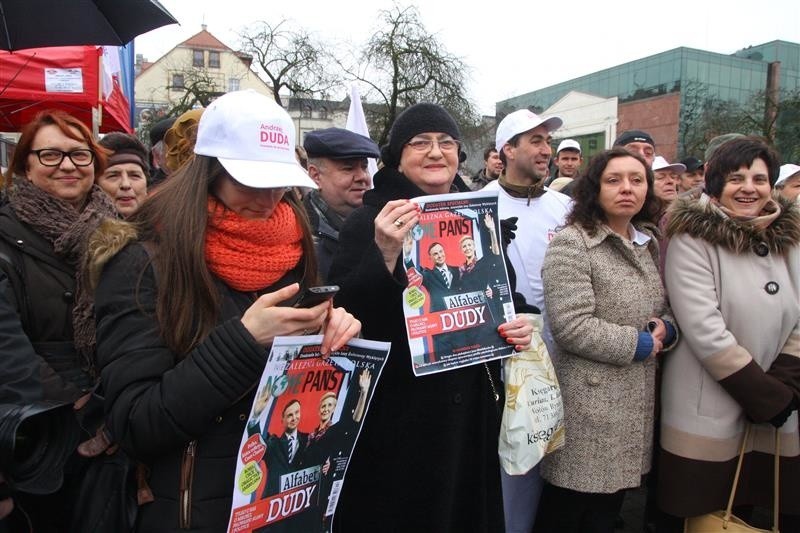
314,296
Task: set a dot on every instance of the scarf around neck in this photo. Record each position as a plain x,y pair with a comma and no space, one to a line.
521,191
251,254
761,221
68,230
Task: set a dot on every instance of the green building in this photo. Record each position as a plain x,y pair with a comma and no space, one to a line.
698,81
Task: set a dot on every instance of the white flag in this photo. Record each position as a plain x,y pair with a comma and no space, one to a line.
357,123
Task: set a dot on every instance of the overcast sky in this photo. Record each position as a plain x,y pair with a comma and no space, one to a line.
525,47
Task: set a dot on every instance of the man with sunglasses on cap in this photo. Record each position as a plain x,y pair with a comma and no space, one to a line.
693,177
638,142
523,141
337,162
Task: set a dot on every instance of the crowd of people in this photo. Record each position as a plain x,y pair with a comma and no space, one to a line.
143,288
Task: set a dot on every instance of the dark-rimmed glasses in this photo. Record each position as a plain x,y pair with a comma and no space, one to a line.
51,157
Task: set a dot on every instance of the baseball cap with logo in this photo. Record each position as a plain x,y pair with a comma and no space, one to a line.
520,122
568,144
659,163
254,139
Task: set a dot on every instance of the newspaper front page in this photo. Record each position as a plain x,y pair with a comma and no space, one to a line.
301,432
458,291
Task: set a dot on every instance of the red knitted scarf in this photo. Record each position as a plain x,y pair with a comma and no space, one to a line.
250,255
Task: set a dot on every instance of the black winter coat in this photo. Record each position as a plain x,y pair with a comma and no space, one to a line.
37,356
41,287
183,418
426,459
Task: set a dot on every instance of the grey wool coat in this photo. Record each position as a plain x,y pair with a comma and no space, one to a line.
600,291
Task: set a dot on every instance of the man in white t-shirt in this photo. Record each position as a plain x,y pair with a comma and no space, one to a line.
523,142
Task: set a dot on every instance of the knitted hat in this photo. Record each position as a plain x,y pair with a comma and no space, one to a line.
419,118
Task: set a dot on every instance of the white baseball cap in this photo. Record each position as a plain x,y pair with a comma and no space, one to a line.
787,171
253,138
568,144
659,163
520,122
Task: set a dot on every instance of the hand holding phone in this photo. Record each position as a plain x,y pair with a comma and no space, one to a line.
314,296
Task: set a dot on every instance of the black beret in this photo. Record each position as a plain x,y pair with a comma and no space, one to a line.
634,136
338,143
419,118
160,128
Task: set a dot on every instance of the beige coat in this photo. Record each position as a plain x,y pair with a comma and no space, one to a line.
735,292
599,293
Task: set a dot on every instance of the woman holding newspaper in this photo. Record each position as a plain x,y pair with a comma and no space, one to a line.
426,459
185,312
608,315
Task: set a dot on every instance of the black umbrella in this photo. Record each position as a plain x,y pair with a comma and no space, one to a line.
40,23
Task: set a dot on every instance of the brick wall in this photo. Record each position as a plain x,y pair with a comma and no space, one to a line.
659,116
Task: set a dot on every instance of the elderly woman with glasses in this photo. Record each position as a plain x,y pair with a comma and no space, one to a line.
427,455
53,207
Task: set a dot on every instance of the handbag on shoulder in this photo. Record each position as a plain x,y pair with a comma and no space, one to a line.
724,521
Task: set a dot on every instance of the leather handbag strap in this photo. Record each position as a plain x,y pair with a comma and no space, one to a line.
775,505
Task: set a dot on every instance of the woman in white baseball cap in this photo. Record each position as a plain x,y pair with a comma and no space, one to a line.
185,312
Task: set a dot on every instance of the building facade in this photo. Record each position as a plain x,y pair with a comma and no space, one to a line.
201,65
659,93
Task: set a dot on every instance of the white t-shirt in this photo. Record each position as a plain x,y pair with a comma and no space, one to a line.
536,226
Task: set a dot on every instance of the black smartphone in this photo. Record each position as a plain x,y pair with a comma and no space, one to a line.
314,296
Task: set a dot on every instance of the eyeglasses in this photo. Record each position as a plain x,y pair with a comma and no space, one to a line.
50,157
425,145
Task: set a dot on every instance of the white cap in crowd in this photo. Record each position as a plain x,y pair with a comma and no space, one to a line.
659,163
253,138
787,171
520,122
569,144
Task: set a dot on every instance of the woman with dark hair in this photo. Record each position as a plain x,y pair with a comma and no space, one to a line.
427,454
187,311
53,207
609,318
733,276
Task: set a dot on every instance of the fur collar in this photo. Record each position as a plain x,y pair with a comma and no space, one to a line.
109,238
701,219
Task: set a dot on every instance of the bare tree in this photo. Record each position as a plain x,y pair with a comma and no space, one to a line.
289,57
404,64
705,116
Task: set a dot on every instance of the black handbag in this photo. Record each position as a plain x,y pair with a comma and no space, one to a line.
107,500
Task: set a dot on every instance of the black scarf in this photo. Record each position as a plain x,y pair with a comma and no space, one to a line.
68,230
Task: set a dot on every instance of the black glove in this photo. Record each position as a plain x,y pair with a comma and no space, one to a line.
780,419
507,228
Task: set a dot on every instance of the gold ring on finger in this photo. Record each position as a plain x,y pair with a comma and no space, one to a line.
398,223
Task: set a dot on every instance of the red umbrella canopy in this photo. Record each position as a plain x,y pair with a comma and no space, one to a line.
40,23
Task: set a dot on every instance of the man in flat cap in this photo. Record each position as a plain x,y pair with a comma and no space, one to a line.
337,162
638,142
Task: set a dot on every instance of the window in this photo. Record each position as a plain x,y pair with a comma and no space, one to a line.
233,84
177,81
306,112
213,59
323,113
198,58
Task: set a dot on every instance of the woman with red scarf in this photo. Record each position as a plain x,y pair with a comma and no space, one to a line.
194,288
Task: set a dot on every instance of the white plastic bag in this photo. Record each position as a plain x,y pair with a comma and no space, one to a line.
533,416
